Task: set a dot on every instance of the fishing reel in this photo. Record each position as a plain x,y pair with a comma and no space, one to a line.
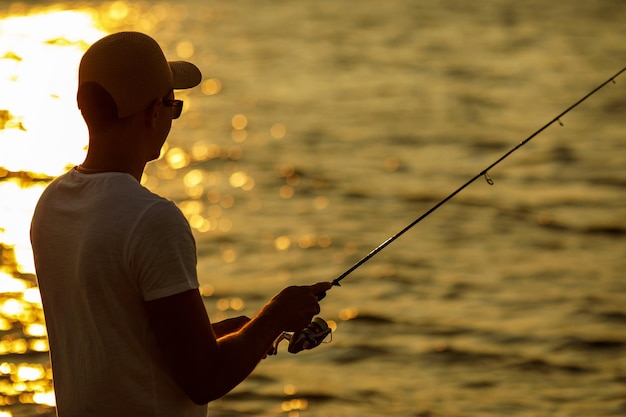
310,337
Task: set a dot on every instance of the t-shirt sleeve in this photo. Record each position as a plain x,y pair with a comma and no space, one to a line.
162,252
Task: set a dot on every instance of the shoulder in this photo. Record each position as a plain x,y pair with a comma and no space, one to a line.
161,220
162,211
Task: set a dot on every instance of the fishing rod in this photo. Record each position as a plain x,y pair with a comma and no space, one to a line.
314,334
484,173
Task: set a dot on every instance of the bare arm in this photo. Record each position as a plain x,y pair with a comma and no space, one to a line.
206,367
224,327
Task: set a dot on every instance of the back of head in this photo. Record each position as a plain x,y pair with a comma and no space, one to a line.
97,106
131,69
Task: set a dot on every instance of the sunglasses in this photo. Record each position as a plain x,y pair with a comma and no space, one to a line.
176,105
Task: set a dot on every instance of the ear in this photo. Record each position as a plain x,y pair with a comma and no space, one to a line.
153,112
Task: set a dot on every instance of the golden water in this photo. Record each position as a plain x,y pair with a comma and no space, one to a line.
320,129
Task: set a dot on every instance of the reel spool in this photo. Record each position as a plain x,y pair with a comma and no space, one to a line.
310,337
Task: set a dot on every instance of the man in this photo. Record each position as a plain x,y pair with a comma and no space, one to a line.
116,264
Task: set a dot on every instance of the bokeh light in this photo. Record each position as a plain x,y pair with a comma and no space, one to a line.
42,134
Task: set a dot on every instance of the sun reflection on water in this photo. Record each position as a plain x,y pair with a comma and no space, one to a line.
41,135
38,56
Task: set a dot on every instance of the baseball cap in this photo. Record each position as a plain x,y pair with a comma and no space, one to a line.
132,68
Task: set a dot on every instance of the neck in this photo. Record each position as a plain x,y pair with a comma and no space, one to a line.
114,151
96,163
124,147
91,168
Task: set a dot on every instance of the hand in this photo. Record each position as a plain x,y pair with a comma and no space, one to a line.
294,307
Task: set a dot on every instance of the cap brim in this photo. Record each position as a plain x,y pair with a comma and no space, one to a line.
186,74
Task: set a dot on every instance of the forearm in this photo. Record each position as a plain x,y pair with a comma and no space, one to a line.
206,367
228,326
240,352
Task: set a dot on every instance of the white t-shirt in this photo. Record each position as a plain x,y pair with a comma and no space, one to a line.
104,245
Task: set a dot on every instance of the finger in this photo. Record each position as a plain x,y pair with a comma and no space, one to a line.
310,310
321,287
318,309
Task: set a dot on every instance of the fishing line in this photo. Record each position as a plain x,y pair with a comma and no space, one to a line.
484,173
315,333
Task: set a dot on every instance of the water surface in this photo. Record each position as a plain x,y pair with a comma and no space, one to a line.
322,128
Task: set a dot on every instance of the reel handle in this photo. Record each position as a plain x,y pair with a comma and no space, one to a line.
310,337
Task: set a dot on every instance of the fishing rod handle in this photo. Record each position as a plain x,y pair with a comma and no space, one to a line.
321,295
